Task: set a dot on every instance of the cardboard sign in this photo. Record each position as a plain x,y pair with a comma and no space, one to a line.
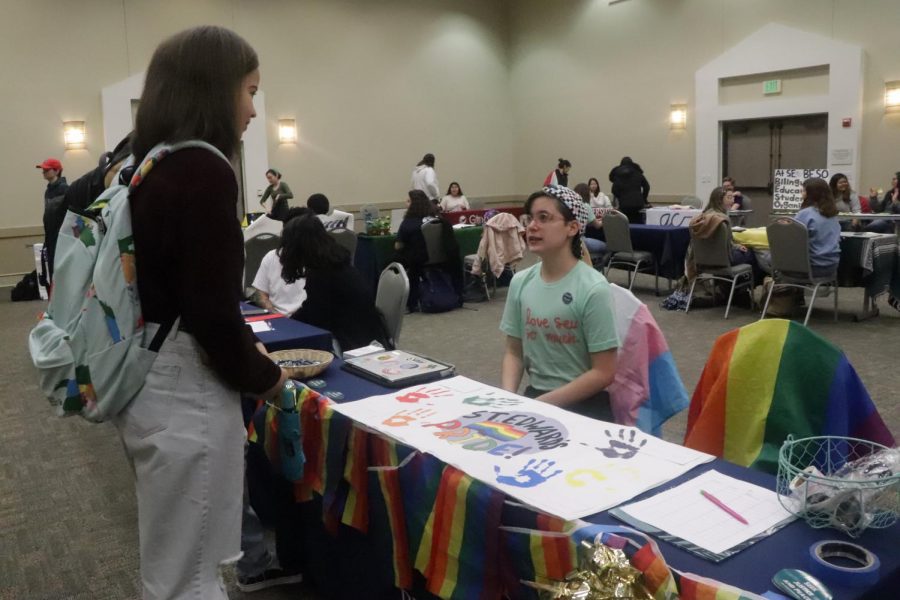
788,190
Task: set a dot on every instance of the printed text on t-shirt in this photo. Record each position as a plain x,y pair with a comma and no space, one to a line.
557,331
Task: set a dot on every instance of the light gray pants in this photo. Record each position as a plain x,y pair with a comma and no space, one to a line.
184,437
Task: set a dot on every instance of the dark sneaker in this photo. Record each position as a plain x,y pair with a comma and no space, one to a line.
269,578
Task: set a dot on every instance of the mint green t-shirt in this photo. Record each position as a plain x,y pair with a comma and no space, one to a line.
560,323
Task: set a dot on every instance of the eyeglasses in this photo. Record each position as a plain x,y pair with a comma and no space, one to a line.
544,217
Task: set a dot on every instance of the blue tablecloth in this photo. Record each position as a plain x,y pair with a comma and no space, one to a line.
288,334
341,565
668,245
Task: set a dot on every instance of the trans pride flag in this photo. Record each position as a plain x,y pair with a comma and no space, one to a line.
773,378
647,389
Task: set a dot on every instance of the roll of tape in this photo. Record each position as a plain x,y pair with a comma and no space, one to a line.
864,569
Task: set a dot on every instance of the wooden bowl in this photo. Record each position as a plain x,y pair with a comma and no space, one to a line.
320,360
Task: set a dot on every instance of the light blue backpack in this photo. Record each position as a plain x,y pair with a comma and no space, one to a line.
90,347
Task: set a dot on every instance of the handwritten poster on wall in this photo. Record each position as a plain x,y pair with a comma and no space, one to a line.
787,194
554,460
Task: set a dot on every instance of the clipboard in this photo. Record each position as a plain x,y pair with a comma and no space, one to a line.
398,369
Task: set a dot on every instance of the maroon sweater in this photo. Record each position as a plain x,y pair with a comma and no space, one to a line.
189,254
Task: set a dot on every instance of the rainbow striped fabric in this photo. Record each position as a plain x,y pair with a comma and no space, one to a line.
647,389
545,556
770,379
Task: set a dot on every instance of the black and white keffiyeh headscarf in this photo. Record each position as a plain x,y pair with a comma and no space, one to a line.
572,200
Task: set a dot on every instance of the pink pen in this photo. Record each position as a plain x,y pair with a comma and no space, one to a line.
723,506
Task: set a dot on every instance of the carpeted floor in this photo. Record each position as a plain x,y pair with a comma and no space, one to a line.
67,510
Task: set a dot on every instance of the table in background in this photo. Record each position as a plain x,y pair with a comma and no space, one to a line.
664,215
375,252
288,334
869,261
668,245
475,216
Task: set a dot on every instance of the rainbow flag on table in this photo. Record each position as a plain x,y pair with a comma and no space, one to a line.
387,521
459,548
647,389
770,379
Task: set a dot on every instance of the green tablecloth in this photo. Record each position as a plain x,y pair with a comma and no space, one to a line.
375,252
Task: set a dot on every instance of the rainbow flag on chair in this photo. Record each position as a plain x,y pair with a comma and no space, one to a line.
770,379
647,389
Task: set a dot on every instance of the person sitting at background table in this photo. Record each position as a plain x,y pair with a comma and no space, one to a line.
705,225
280,194
818,213
331,218
559,175
558,319
272,292
410,244
594,246
741,202
889,204
598,199
845,199
337,297
455,200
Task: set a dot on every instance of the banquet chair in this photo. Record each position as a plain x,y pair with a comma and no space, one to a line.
789,247
390,298
692,201
255,249
476,203
347,239
712,258
434,243
622,254
774,378
501,247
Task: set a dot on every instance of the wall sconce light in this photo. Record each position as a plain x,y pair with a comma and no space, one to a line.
678,116
73,135
287,131
891,96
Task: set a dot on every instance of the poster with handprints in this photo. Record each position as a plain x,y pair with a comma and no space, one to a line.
561,463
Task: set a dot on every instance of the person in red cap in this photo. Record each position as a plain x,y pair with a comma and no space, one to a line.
54,210
56,183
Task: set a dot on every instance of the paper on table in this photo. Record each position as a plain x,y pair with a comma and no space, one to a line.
260,326
683,512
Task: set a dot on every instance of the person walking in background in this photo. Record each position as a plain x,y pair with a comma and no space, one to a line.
424,178
454,200
183,433
279,192
559,175
54,213
630,188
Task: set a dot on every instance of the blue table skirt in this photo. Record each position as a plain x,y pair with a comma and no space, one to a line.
668,245
344,566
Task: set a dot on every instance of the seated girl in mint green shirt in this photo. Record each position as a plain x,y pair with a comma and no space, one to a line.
558,318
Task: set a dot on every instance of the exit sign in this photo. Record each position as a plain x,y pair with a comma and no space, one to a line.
772,86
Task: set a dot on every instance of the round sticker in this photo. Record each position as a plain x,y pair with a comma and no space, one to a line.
567,298
409,365
316,383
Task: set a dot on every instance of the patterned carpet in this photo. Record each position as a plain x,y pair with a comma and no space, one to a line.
67,510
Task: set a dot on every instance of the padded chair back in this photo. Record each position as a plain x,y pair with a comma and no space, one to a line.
369,212
434,243
393,290
254,250
692,201
789,245
617,232
713,252
345,238
476,203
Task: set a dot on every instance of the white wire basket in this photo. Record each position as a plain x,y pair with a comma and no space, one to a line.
845,483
